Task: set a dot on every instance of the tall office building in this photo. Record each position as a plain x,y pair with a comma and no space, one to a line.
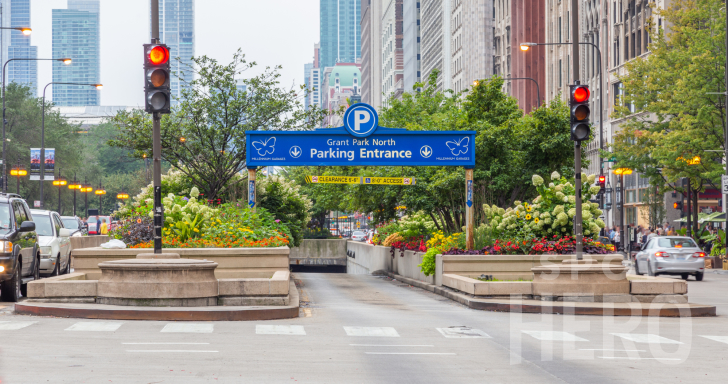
307,82
340,32
76,34
177,30
436,48
411,43
19,71
392,55
371,52
472,42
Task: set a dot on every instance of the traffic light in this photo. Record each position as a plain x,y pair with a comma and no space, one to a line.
678,205
579,107
157,72
602,180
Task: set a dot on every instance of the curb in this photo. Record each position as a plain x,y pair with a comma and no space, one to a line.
212,313
569,308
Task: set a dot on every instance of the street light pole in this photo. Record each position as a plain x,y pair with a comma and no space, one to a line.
538,89
4,178
42,131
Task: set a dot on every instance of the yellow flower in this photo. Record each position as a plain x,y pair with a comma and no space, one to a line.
528,217
535,220
196,230
528,209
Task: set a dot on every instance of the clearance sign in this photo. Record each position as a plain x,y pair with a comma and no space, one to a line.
360,180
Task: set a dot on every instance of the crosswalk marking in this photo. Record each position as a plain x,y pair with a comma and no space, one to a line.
280,330
647,338
95,326
554,336
371,331
188,328
720,339
15,325
463,333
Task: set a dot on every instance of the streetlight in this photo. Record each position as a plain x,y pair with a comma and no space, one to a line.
42,153
100,192
59,182
75,186
18,172
26,31
85,189
42,128
620,191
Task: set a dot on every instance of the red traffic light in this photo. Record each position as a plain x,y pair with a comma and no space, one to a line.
158,55
602,179
581,94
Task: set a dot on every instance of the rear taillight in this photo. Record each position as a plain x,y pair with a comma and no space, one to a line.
699,254
662,254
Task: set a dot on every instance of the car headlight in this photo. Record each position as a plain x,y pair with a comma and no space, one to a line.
6,246
45,251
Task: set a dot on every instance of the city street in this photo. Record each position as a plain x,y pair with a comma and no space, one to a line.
368,329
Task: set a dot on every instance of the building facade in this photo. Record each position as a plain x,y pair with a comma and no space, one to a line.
392,53
340,84
435,48
471,42
411,43
177,30
371,52
76,34
19,71
340,37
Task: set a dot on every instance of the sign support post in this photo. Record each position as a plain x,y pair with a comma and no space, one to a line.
469,211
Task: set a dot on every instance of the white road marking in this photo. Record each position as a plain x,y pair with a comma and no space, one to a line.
15,325
188,328
167,351
280,330
615,350
408,353
371,331
637,358
95,326
463,333
385,345
554,336
165,343
648,338
720,339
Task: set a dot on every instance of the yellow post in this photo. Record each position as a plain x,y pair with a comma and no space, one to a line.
251,188
469,211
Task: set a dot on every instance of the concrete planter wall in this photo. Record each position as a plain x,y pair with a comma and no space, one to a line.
232,263
368,259
78,242
409,266
319,252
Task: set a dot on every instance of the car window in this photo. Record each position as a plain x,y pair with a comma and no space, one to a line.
57,223
70,223
43,225
4,216
676,242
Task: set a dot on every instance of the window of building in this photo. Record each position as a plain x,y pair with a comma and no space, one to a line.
626,48
559,30
560,77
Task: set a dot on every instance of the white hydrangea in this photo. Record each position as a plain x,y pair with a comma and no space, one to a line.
555,176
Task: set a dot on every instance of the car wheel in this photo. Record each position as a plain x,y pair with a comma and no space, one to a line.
684,276
650,272
699,276
57,268
637,268
11,288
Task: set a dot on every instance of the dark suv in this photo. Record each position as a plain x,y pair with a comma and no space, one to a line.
19,251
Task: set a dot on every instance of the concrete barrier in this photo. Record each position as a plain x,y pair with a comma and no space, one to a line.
78,242
232,262
319,252
368,259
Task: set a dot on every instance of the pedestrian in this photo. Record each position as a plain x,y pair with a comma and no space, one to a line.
616,239
98,225
104,230
611,235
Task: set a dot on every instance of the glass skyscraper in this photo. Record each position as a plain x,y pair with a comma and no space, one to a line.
76,35
20,71
177,30
340,32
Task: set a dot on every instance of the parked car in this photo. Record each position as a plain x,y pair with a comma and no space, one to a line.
671,255
75,225
92,224
359,236
19,251
54,241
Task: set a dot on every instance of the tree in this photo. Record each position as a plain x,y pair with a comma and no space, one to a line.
212,116
677,121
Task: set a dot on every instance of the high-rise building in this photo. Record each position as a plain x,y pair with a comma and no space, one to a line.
472,42
307,82
76,35
340,32
19,71
177,30
371,52
411,43
436,49
392,54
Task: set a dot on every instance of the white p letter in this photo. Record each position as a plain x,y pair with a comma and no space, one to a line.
360,117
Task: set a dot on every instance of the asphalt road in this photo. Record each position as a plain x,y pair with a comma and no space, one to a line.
366,329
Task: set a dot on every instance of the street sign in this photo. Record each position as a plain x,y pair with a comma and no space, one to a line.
724,182
389,180
333,179
251,193
469,193
36,204
361,141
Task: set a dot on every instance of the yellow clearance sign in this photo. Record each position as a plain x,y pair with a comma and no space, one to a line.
389,180
333,179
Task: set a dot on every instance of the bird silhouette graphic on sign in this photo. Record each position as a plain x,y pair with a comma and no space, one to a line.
459,147
265,147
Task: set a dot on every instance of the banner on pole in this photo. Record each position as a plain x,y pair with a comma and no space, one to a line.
35,163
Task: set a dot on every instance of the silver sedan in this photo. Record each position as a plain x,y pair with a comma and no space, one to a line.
671,255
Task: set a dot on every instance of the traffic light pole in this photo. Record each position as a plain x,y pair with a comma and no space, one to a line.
157,169
577,144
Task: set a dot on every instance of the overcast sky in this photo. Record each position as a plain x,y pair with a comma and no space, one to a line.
270,32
